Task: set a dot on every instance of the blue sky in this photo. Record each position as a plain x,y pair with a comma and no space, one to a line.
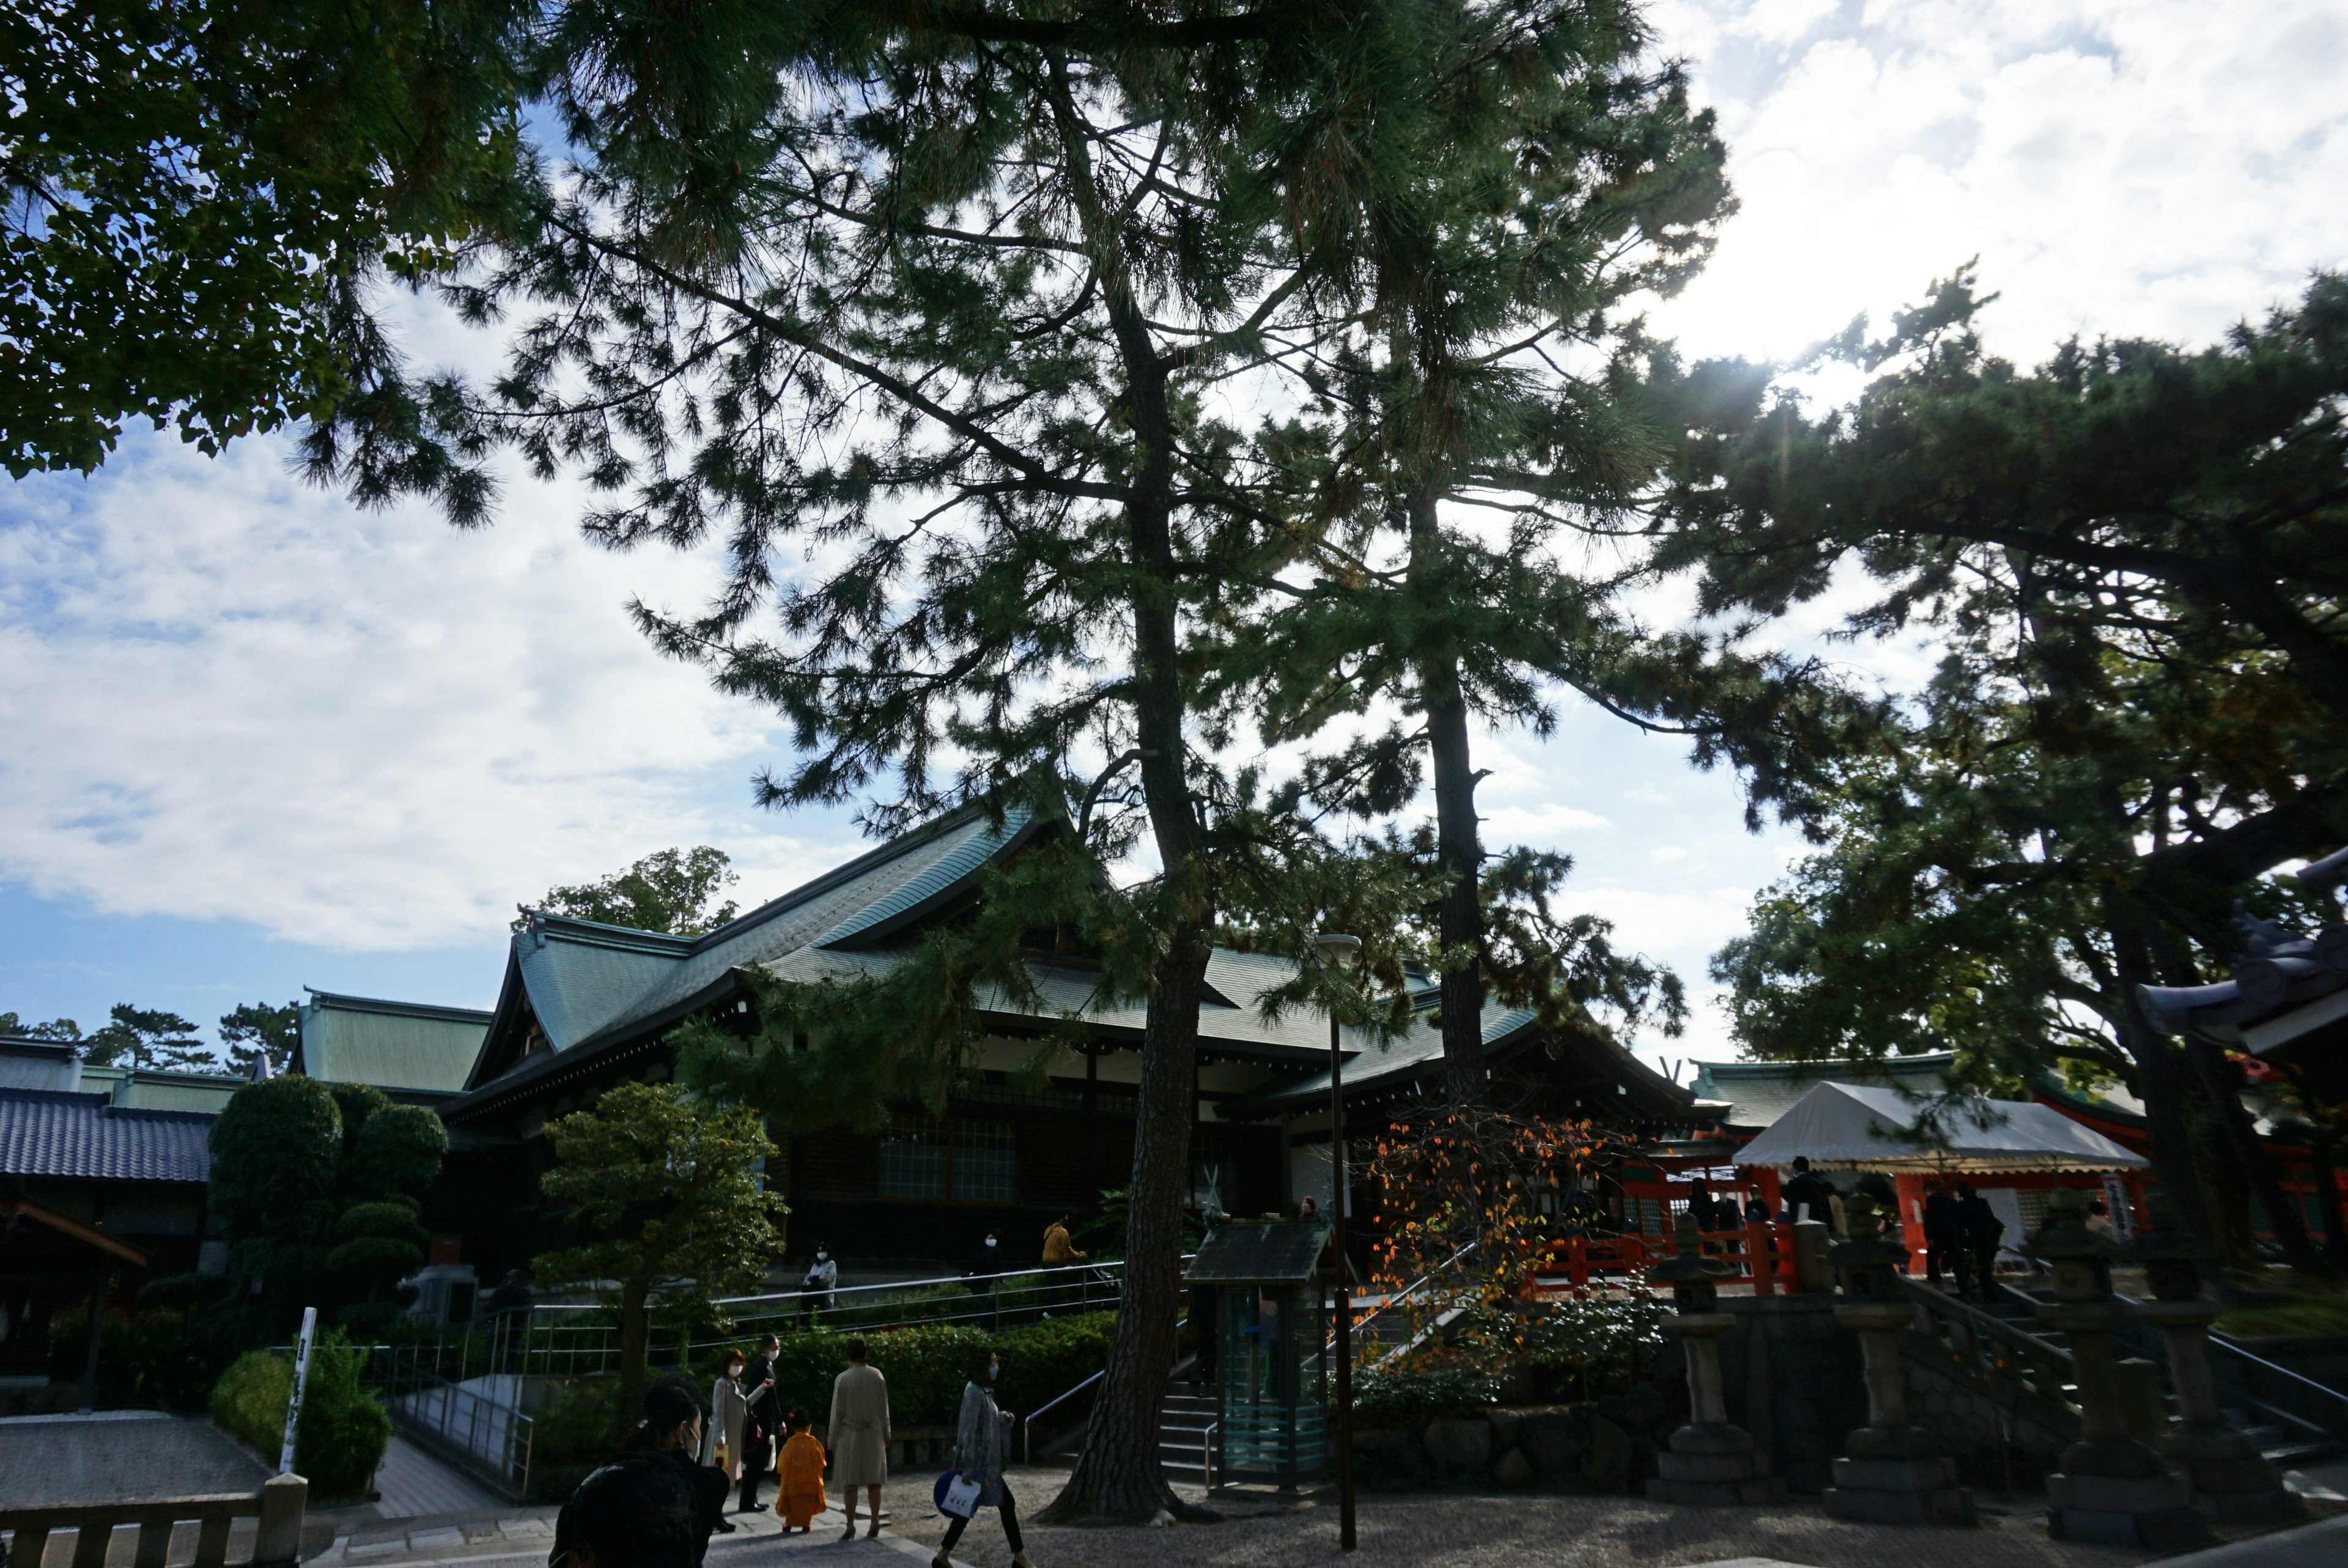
254,738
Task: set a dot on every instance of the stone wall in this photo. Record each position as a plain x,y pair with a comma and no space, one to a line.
1606,1445
1792,1376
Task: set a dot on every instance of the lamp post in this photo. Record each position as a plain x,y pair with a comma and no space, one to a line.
1338,954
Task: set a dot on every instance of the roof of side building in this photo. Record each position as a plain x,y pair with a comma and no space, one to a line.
393,1045
43,1133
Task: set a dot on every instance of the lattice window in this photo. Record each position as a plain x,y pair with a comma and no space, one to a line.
965,1162
916,1158
985,1163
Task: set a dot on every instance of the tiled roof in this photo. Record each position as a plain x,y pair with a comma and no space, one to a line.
43,1133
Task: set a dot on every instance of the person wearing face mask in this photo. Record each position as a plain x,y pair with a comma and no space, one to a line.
821,1280
982,1450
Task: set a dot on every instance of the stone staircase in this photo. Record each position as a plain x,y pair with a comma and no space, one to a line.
2015,1359
1183,1432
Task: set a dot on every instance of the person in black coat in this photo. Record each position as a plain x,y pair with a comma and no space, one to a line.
1978,1232
765,1420
1807,1187
626,1513
636,1511
1942,1237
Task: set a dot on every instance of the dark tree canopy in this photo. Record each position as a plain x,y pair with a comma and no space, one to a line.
254,1030
199,193
2119,743
319,1186
147,1036
671,890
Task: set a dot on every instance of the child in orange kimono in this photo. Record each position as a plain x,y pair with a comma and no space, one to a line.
802,1472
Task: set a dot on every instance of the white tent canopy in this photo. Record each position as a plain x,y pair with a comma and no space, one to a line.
1847,1126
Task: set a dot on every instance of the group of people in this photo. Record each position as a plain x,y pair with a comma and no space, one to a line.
657,1503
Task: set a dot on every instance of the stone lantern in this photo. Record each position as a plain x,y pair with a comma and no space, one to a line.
2231,1481
1893,1472
2111,1489
1709,1461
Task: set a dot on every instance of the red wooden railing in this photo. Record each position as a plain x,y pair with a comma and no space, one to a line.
1562,1267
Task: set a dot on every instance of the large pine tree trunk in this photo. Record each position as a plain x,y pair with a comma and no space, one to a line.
1459,917
1117,1477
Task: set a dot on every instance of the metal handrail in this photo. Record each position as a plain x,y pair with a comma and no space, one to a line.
1407,1291
1207,1453
1027,1422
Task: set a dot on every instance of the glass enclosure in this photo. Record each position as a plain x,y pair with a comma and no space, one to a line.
1275,1361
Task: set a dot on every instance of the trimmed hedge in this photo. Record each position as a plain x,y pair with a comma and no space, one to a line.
927,1367
344,1429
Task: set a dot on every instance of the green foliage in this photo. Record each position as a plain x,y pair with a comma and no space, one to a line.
927,1365
344,1429
1395,1395
254,1030
63,1030
671,1192
198,190
150,1360
146,1037
671,890
319,1185
577,1428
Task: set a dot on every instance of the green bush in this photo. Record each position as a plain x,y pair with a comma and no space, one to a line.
582,1425
927,1365
147,1361
1441,1383
345,1428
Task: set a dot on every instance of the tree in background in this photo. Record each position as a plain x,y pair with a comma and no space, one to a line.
320,1188
199,193
255,1030
669,891
63,1030
674,1193
147,1036
2132,560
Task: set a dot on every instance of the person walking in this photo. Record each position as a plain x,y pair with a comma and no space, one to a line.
859,1434
729,1419
982,1450
1943,1238
1978,1230
762,1406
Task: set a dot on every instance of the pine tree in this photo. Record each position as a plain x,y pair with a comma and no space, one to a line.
1550,174
2122,554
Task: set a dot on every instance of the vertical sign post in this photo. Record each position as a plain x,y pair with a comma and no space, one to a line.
301,1378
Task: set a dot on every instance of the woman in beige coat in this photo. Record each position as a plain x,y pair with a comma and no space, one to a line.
859,1434
729,1413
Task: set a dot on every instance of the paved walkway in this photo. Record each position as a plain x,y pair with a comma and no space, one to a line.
412,1482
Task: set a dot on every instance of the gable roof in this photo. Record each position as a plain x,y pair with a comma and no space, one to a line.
588,986
412,1046
43,1133
1758,1092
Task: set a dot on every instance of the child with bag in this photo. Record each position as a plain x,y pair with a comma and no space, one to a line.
802,1472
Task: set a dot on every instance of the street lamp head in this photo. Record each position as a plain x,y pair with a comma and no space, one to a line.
1337,952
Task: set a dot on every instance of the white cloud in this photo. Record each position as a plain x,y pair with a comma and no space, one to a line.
2147,166
232,697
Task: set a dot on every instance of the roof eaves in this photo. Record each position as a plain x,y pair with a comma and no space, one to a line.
342,1003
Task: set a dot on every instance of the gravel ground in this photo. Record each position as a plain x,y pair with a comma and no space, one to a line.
1456,1529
